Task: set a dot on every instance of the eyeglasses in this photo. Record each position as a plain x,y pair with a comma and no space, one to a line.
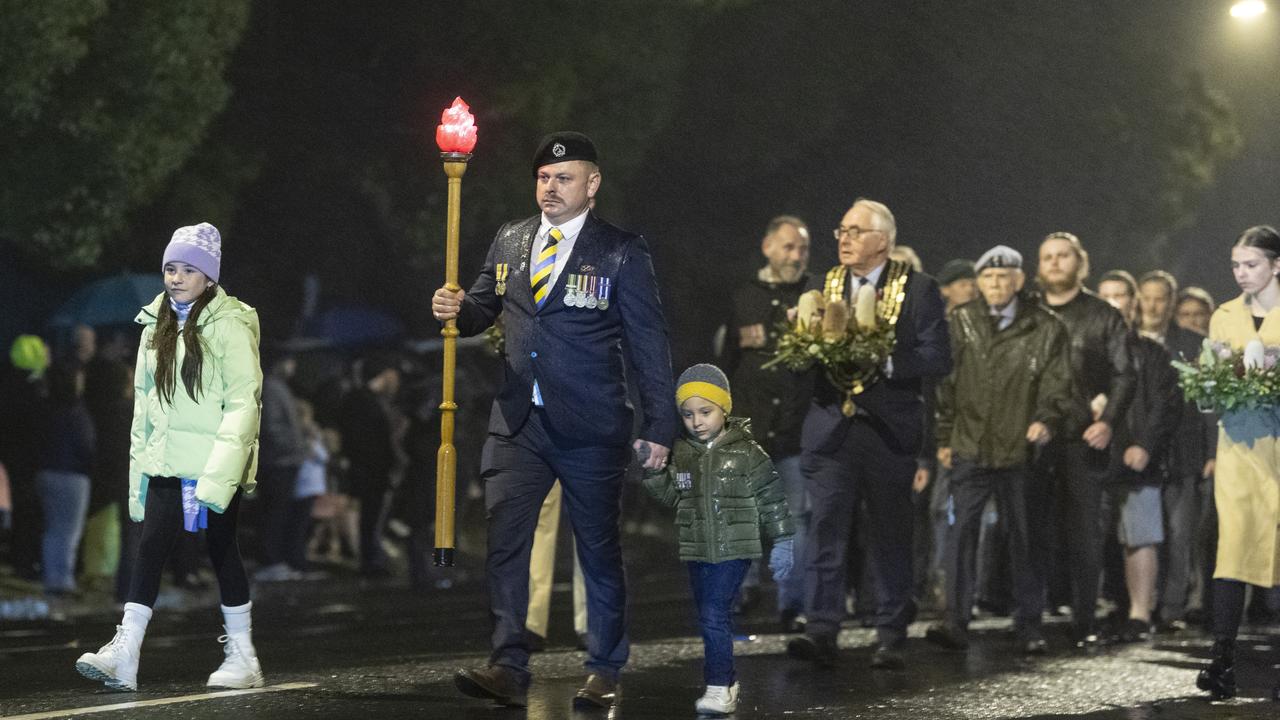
852,230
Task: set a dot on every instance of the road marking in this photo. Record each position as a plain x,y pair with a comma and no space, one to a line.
153,703
69,645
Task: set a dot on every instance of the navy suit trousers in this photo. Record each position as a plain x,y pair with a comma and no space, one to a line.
518,472
864,467
971,487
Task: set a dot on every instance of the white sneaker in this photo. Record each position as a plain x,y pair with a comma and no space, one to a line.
718,700
115,664
240,668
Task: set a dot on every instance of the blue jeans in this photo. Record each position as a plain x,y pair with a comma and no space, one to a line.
791,590
65,499
714,585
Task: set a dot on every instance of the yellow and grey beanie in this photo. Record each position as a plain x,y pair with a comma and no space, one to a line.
705,381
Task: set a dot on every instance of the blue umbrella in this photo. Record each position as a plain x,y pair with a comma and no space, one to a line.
112,300
351,325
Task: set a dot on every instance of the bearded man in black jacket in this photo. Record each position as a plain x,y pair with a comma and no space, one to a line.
775,399
1065,505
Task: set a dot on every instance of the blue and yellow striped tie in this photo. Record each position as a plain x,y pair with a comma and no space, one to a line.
542,269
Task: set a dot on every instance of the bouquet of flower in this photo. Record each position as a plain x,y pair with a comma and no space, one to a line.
851,347
1243,387
496,337
1225,380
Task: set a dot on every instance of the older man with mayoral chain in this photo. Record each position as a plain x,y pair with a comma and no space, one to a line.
860,439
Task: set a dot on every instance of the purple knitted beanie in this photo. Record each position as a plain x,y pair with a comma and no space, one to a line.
197,245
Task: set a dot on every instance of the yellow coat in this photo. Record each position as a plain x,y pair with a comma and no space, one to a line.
1247,484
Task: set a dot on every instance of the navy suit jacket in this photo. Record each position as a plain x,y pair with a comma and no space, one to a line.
895,405
576,354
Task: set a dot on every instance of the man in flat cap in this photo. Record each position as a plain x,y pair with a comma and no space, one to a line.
958,282
577,295
1010,391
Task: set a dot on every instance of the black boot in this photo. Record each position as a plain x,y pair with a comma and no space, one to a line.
1219,679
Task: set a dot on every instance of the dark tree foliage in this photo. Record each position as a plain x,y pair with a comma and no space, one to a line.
100,103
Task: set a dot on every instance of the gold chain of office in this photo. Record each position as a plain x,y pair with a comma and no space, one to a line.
888,310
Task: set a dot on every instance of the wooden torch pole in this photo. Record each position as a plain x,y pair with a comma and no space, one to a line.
455,166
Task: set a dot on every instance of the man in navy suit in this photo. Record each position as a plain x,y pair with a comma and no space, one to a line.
864,451
576,294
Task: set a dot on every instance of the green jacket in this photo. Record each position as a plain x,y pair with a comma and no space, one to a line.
215,440
1002,382
734,496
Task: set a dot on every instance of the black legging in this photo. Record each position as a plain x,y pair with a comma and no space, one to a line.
1228,608
160,529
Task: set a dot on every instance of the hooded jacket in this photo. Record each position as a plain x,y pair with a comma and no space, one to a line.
733,497
213,440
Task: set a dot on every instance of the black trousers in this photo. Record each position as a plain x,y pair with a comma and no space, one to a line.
373,491
518,472
1065,513
275,485
865,468
160,528
971,487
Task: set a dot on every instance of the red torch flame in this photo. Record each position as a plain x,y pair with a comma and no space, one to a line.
457,131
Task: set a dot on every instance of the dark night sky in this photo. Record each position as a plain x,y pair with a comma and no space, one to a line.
951,113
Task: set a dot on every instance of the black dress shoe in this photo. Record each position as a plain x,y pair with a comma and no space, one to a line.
598,692
1219,679
1032,642
948,637
817,649
493,682
888,658
1086,639
1135,631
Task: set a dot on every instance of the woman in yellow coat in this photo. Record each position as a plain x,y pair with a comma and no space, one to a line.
1247,485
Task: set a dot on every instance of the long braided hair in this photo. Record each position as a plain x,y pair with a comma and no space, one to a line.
165,343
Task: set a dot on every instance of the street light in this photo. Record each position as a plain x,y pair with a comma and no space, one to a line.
456,136
1248,9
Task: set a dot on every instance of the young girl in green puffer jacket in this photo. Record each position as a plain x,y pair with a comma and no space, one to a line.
193,453
727,497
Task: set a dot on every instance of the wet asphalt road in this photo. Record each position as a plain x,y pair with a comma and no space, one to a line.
340,648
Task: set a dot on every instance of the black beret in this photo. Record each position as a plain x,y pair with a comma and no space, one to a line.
562,147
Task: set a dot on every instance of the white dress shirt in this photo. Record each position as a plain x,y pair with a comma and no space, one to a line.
570,230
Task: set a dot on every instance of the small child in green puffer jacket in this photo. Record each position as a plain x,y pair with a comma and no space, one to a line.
727,497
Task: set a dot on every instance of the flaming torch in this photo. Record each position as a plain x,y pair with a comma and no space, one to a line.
456,136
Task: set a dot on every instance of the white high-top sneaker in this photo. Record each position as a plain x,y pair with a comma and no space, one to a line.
116,663
718,700
240,668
